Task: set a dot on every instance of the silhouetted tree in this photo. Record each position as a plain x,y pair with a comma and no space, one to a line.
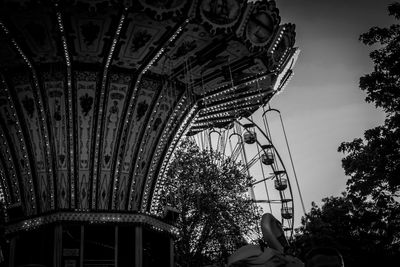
215,213
365,233
364,223
373,163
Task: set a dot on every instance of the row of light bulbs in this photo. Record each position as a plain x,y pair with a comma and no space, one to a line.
100,114
22,153
93,219
70,117
172,121
226,105
167,159
41,121
4,200
209,99
5,197
277,39
170,40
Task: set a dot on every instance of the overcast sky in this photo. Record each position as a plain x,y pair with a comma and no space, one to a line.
323,106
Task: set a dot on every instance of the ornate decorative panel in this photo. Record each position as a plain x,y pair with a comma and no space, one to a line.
95,95
86,86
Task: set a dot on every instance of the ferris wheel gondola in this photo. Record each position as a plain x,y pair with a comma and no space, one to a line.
223,125
247,143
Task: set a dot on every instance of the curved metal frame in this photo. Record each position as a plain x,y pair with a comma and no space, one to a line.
290,155
284,201
291,225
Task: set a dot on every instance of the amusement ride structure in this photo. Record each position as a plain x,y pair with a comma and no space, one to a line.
250,144
95,96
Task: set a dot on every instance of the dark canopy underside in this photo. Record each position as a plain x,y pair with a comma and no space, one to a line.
95,95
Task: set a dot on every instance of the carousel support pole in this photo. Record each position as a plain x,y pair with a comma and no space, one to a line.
81,246
57,246
13,244
116,247
171,252
138,246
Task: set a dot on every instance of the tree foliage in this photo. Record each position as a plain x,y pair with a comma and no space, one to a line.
364,223
215,214
373,163
364,232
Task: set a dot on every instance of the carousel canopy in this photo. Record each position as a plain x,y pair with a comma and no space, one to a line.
95,94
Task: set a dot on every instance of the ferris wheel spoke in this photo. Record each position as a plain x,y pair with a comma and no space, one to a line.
271,201
222,146
262,180
251,163
236,151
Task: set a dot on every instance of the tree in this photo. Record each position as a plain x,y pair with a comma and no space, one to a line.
364,223
215,213
373,163
365,233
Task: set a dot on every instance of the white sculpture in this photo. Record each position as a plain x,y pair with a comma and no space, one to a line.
270,254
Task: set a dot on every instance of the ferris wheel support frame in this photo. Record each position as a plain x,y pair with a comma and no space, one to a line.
290,221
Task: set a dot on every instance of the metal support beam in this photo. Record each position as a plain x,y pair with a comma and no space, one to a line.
138,246
13,244
116,247
171,252
81,246
57,245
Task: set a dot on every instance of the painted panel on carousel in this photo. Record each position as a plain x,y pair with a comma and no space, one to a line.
8,177
122,191
193,39
90,34
8,113
146,94
118,89
86,97
139,39
30,111
160,114
37,28
54,87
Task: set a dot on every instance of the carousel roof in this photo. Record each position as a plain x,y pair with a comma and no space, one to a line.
95,94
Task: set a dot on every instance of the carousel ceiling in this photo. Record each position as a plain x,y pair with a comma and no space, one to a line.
95,94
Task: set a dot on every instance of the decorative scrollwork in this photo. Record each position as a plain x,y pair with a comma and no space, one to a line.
220,15
262,22
164,9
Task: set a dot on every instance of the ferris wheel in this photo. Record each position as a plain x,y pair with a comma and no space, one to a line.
248,141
